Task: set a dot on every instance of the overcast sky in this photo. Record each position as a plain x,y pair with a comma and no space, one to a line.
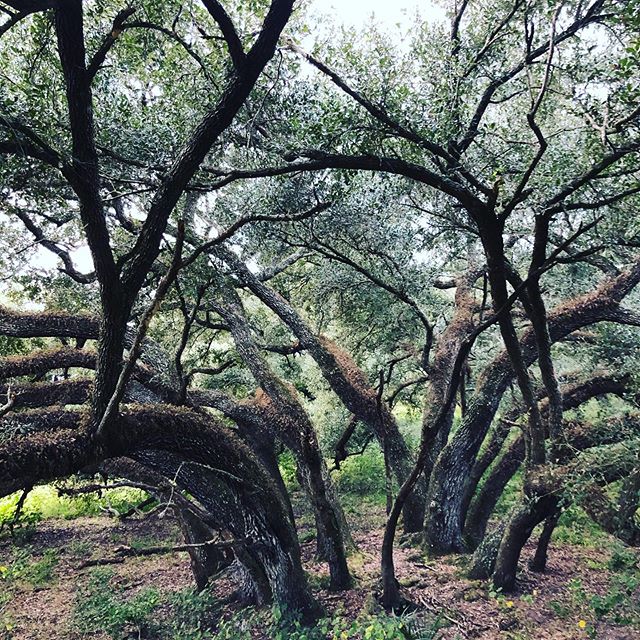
357,12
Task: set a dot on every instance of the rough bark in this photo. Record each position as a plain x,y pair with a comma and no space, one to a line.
539,561
484,557
198,528
543,489
209,455
483,501
448,345
455,462
347,381
286,418
486,499
533,509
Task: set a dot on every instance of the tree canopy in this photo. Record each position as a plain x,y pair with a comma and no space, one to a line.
229,231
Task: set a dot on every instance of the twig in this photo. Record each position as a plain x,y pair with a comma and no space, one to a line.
128,552
11,400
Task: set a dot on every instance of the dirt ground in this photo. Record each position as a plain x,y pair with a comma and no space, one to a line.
536,612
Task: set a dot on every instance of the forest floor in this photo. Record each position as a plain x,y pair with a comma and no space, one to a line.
587,592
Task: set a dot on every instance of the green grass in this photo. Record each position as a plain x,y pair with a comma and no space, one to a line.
619,604
44,503
102,606
25,571
576,527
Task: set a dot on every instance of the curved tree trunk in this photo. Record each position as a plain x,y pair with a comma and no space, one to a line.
483,561
348,382
446,493
482,504
485,501
262,443
490,452
531,512
202,456
539,561
282,413
197,527
617,519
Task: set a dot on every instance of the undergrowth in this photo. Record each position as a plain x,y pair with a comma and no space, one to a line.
189,615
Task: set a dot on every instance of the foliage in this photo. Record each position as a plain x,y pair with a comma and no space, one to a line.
20,525
576,527
363,475
192,615
451,140
189,615
44,502
618,603
280,626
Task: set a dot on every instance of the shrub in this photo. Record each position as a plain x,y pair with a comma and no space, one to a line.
363,474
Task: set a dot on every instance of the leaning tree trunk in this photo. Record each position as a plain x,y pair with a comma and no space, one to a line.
454,464
282,414
263,443
617,519
446,492
267,562
504,466
483,560
197,527
348,382
485,501
536,505
192,450
491,450
539,561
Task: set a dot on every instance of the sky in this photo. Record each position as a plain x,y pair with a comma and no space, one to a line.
357,12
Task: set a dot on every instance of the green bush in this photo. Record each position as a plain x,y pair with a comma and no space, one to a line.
44,503
22,527
287,464
363,474
192,615
576,527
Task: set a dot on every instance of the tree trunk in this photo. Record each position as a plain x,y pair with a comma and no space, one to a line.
532,510
485,501
483,561
330,525
206,561
348,382
262,443
197,453
458,456
539,561
281,413
446,492
494,442
271,569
